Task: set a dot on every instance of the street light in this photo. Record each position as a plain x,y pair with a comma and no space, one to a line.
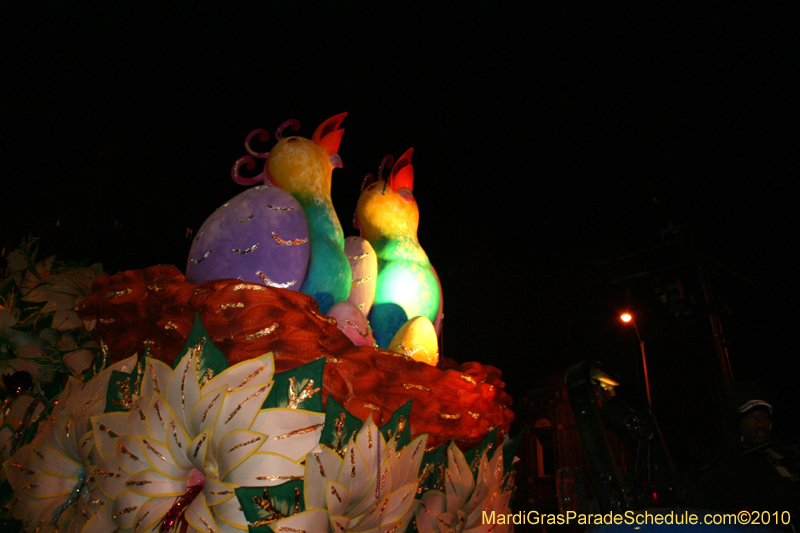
627,317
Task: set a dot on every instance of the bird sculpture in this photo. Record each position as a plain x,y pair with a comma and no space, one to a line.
407,285
303,168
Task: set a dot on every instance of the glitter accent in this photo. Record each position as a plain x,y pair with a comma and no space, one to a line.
220,492
207,377
369,437
278,478
353,461
357,257
126,401
111,434
158,412
198,261
105,473
334,493
31,472
175,432
274,208
293,242
248,378
245,219
198,236
332,359
123,511
262,333
170,325
371,406
450,417
139,522
238,407
355,327
269,283
319,463
301,431
307,392
125,451
251,441
401,424
107,320
203,419
208,527
248,286
474,415
229,305
137,483
117,294
328,319
246,250
202,440
357,282
152,449
468,379
153,375
156,288
183,384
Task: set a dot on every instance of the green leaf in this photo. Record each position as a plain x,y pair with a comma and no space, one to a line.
340,426
432,470
262,505
299,388
211,360
473,456
510,450
398,426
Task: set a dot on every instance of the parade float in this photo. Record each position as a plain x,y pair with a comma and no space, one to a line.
290,380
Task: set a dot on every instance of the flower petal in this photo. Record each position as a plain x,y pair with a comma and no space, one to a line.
264,469
292,433
153,484
235,447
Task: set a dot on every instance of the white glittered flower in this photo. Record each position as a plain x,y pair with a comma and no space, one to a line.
61,292
52,476
22,350
370,488
177,457
461,507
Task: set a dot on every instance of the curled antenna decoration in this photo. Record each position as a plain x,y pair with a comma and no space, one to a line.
249,162
293,123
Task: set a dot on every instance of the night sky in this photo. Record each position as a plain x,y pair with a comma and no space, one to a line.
552,147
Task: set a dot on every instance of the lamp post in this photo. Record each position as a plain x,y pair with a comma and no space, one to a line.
627,317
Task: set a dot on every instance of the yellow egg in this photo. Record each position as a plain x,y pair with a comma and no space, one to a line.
417,340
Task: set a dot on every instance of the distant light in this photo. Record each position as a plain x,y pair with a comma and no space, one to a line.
625,317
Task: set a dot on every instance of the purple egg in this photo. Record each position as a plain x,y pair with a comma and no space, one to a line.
260,236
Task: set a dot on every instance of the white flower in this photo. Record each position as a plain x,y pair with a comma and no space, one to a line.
19,350
61,292
370,488
183,449
460,508
51,476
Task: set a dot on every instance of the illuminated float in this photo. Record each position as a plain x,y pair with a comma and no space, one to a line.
250,394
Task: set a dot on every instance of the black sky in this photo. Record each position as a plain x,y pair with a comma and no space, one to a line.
542,137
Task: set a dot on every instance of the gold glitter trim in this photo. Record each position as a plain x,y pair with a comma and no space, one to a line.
251,441
139,522
123,511
357,282
248,378
152,449
156,288
319,463
203,419
175,432
31,472
301,431
154,376
334,493
474,415
207,377
220,492
117,294
111,434
137,483
296,399
293,242
198,261
208,527
170,325
275,208
262,333
357,257
450,417
107,320
278,478
202,440
328,319
269,283
468,379
246,250
121,447
245,219
238,407
229,305
248,286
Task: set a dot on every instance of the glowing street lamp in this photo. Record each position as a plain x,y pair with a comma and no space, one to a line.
627,317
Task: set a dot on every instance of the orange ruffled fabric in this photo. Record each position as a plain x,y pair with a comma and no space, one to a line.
156,306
